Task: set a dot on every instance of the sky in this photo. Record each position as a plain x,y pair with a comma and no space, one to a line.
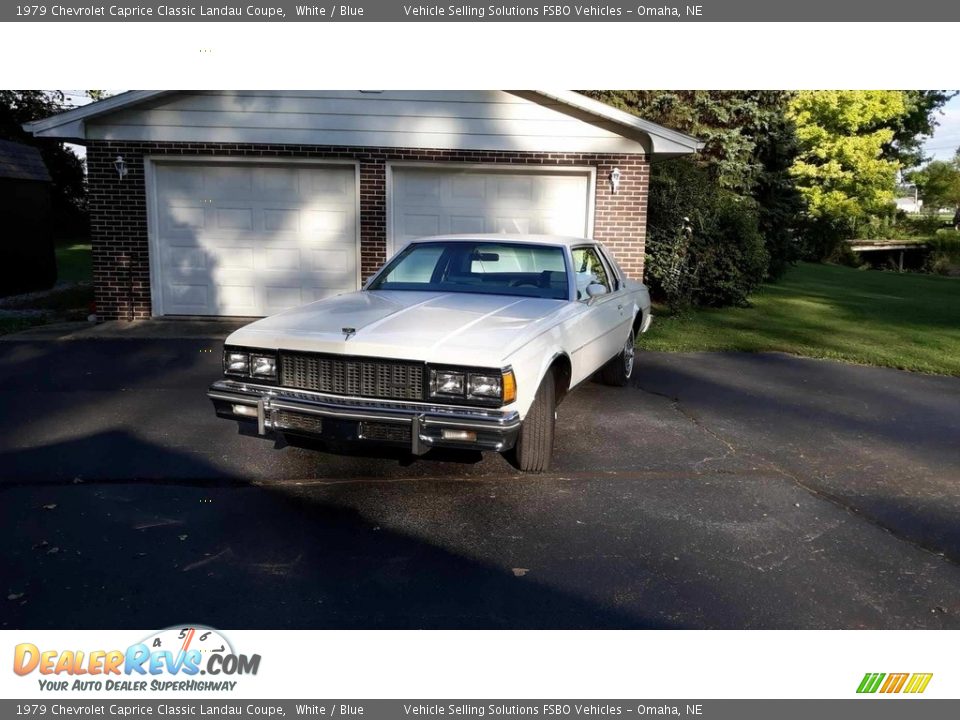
946,138
942,146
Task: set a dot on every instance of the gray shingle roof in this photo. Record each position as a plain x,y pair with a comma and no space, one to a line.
21,162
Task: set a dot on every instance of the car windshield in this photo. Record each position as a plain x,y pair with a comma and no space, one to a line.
478,267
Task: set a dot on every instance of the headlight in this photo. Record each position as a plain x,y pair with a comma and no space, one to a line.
236,363
446,382
484,386
263,366
491,387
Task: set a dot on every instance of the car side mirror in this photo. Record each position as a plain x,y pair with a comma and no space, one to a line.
595,290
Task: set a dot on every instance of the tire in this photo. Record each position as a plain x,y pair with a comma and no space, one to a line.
534,448
619,370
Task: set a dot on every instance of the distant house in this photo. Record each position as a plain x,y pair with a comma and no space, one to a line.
908,200
245,203
27,260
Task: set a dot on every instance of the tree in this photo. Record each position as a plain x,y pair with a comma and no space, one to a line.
938,184
749,148
703,242
69,197
843,169
916,125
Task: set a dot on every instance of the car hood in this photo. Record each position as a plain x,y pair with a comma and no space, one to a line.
457,328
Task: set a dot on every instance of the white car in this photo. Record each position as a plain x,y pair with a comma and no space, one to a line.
462,341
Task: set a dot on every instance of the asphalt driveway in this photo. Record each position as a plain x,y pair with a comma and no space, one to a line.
719,491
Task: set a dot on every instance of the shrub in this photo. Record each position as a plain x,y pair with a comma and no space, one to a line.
703,243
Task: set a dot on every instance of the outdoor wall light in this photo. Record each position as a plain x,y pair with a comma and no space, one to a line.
615,180
121,167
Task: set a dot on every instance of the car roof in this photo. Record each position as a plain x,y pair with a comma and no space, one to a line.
561,240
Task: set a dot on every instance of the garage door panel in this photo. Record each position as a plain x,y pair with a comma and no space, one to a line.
234,218
228,182
512,225
278,297
337,223
329,186
514,188
419,225
255,239
186,258
282,220
329,261
186,298
181,219
236,299
183,183
279,183
467,224
281,259
437,200
468,188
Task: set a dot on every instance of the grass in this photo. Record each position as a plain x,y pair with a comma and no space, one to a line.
907,321
74,263
61,303
16,324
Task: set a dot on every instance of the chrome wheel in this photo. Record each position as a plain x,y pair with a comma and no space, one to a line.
628,352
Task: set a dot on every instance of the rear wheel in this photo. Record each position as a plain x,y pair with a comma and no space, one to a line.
534,448
617,372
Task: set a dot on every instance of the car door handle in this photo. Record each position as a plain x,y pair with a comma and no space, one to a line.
619,307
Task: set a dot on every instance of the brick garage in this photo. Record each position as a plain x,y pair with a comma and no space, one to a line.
126,268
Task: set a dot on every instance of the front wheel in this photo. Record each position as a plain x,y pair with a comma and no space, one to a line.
617,372
534,448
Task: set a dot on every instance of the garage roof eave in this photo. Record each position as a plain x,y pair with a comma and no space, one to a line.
664,142
70,124
657,140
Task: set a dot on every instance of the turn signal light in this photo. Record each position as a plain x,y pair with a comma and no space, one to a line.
509,387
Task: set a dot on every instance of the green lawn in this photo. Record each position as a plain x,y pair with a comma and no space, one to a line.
73,263
907,321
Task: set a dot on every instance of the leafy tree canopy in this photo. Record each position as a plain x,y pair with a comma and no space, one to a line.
749,148
842,168
939,184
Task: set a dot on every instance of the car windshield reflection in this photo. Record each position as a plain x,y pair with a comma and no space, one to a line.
524,270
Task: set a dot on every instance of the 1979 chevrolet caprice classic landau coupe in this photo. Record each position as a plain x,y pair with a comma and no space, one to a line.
458,341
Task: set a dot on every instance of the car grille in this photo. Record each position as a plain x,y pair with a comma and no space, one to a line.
352,376
283,420
390,432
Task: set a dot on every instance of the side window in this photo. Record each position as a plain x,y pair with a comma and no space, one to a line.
616,274
589,269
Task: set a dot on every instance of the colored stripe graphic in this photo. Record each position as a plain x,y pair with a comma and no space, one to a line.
894,683
918,682
870,682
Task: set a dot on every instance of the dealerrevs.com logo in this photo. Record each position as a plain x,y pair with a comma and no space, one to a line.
910,683
171,660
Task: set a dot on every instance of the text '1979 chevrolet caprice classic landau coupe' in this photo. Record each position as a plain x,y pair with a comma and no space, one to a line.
459,341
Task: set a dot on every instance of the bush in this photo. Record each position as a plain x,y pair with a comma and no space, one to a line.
703,243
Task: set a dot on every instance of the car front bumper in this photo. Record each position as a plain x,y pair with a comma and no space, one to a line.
419,426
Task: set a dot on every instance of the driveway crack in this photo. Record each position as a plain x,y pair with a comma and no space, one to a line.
677,405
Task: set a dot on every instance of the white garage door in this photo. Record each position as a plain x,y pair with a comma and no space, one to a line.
251,239
436,201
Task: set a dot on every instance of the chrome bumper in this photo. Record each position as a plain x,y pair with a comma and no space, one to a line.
491,429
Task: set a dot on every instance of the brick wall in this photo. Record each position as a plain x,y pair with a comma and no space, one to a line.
118,208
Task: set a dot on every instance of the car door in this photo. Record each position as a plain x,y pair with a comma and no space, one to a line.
597,328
